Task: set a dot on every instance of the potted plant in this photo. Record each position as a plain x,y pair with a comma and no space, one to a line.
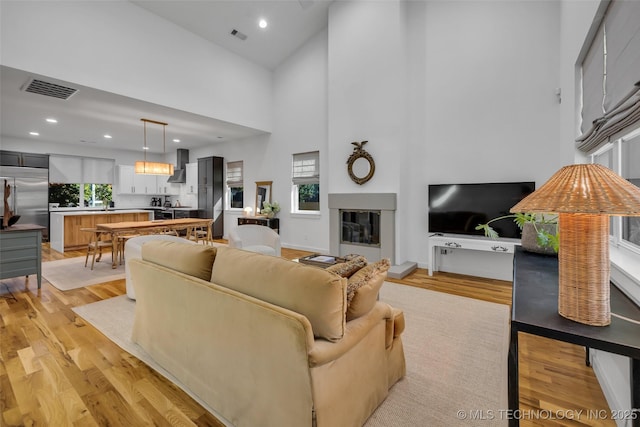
270,209
539,232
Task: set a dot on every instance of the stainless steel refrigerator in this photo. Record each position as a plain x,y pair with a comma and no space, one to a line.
29,194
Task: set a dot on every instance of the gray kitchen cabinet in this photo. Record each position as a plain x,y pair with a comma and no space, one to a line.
211,192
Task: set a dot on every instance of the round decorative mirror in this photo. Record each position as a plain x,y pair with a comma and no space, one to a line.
360,164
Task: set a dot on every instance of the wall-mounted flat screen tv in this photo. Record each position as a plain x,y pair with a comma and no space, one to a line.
459,208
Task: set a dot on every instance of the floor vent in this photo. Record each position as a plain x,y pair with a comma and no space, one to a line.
238,34
48,89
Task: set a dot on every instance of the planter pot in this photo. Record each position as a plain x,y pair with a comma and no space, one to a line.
530,238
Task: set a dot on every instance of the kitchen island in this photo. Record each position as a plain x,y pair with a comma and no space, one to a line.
65,226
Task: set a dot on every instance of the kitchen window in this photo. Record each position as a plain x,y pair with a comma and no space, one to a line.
80,181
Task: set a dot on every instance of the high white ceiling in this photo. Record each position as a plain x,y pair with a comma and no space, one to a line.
290,23
90,114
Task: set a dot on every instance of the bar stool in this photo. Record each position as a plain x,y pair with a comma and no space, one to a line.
96,245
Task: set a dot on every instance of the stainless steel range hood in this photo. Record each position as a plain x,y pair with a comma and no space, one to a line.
180,172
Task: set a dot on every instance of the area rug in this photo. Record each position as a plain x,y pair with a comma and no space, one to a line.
455,349
70,273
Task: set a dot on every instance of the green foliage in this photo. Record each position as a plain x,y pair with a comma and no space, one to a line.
544,238
309,192
270,208
65,194
102,192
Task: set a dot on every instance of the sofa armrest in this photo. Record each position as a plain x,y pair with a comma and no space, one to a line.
395,326
323,351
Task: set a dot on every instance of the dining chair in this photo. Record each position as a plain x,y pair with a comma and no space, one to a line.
96,244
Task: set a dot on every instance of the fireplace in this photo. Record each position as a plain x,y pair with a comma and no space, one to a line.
360,227
364,224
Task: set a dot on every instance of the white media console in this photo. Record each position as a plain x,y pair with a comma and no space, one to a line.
475,243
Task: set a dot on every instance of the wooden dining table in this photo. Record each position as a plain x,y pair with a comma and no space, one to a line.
117,229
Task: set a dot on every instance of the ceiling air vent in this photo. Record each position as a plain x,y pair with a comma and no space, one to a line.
238,34
48,89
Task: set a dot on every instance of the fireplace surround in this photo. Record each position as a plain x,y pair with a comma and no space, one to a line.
367,220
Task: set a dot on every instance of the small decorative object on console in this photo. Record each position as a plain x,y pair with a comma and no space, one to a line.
270,209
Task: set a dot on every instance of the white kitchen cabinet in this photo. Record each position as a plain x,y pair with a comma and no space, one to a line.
165,188
192,178
129,182
124,179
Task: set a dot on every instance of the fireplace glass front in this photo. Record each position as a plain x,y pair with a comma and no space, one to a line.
360,227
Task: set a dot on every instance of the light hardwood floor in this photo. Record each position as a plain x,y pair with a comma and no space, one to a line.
55,370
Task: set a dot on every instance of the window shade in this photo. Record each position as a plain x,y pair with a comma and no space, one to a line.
97,171
77,170
306,168
65,169
235,175
611,76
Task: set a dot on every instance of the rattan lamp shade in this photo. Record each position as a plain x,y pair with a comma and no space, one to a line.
584,196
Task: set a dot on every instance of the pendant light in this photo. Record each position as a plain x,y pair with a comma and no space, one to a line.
153,168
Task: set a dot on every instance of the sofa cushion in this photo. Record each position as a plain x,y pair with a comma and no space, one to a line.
194,260
363,288
313,292
133,250
347,269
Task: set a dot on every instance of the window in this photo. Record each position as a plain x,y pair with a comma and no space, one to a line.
623,157
235,185
80,181
97,195
306,182
66,195
630,170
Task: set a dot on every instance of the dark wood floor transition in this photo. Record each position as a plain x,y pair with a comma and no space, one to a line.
57,371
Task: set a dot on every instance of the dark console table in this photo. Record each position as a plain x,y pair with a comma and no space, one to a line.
273,223
535,311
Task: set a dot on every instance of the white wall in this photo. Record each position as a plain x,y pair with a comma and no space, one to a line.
300,125
118,47
443,106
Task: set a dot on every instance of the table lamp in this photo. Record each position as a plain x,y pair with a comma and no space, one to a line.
584,196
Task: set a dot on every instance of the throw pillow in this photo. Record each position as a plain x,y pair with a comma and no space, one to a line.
346,269
363,288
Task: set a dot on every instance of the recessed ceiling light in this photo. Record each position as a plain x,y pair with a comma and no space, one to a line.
145,148
108,136
176,140
262,23
52,120
34,133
